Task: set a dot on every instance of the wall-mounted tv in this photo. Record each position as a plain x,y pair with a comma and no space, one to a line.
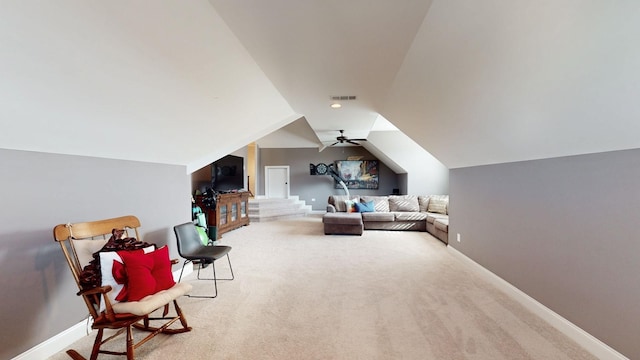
227,174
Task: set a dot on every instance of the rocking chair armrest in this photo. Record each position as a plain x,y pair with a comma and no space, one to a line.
96,290
93,296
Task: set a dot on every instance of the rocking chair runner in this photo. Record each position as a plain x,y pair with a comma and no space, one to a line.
78,241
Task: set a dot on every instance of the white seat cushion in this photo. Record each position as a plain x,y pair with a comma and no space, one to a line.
152,302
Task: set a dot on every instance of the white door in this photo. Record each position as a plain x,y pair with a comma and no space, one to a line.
276,182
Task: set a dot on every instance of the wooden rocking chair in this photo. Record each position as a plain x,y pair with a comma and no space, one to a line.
78,242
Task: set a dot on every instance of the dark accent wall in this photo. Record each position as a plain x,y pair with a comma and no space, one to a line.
39,191
564,231
319,187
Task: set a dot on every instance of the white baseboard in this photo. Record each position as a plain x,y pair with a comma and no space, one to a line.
583,338
64,339
55,344
176,274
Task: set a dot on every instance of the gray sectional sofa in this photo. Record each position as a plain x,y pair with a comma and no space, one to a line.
354,214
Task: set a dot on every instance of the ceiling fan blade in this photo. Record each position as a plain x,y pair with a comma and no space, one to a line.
334,143
352,142
358,139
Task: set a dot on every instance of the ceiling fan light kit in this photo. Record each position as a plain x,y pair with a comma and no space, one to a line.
341,139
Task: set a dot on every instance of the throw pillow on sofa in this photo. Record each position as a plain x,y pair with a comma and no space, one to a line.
380,203
350,206
438,204
338,201
365,207
404,203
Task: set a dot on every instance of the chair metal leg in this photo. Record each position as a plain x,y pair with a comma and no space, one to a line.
230,268
215,279
181,271
215,284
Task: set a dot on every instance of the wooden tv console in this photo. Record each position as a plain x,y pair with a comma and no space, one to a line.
231,212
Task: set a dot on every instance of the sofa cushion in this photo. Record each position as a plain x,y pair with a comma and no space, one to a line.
438,204
442,224
432,217
380,203
339,201
423,202
342,218
403,203
378,216
410,216
365,207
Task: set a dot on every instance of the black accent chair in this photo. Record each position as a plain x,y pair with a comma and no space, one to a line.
191,248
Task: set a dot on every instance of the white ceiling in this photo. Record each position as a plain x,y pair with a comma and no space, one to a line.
312,50
473,82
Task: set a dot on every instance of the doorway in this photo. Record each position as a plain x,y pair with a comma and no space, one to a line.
276,182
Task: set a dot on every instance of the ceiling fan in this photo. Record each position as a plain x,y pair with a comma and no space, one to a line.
343,139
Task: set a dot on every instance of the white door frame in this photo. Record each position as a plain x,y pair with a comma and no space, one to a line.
266,179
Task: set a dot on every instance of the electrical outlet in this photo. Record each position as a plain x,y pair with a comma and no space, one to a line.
458,237
314,199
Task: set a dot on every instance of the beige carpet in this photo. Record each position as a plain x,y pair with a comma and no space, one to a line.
299,294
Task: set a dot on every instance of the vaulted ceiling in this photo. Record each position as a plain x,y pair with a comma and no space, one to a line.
472,82
313,50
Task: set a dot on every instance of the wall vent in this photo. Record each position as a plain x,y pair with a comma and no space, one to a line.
343,97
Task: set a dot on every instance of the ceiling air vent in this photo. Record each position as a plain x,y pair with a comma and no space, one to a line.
343,97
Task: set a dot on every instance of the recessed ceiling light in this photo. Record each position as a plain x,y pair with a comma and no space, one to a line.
336,106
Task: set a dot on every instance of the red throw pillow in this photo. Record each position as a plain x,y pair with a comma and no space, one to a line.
114,274
162,270
120,276
147,273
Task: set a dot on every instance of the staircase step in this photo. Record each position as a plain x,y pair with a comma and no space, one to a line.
261,209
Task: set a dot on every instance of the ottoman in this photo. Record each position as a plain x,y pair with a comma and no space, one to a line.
343,223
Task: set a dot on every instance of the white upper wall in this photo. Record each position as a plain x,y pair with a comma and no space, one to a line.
296,134
499,81
425,174
152,81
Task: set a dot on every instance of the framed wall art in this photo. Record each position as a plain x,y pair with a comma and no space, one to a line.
358,174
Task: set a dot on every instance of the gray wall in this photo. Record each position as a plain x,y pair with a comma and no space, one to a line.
318,187
564,231
403,182
39,191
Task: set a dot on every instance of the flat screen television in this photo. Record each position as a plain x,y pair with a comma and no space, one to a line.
227,174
